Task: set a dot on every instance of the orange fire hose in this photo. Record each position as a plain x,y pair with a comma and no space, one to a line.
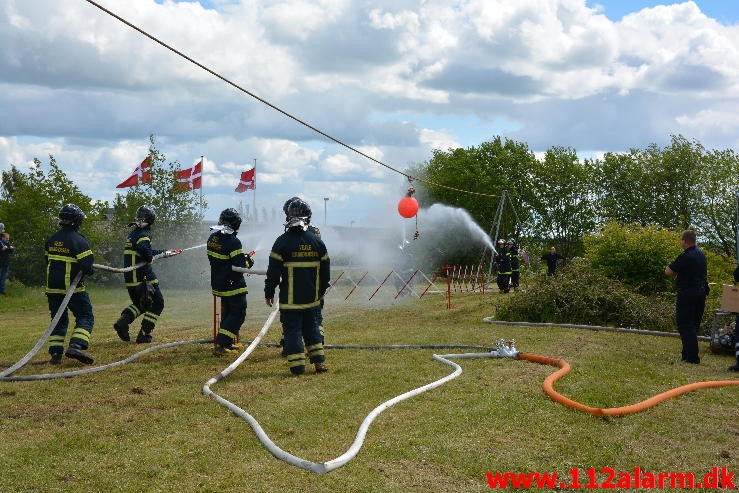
564,369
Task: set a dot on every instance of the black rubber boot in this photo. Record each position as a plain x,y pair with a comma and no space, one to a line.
734,367
76,352
56,359
121,328
144,338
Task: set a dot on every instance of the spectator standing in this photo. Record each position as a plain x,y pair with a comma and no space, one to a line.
735,367
551,258
690,271
6,249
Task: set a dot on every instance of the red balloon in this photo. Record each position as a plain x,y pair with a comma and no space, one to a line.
407,207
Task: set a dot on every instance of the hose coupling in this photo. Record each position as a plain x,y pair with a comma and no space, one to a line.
505,349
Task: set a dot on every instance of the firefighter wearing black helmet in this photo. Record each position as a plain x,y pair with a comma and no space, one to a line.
299,264
68,253
142,283
317,232
503,265
224,251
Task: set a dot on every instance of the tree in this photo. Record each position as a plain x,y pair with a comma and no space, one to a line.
715,213
562,203
29,207
179,213
489,168
652,186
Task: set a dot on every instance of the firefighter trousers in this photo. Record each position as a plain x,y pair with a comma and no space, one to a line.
150,314
81,308
301,334
233,314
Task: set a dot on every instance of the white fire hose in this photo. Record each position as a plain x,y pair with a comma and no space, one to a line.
4,375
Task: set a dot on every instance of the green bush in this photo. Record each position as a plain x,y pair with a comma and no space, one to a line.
579,294
635,255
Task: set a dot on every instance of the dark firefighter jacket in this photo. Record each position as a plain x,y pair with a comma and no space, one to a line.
138,249
67,253
503,262
299,263
224,251
515,258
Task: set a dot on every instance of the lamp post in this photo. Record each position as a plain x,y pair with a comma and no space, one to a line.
325,201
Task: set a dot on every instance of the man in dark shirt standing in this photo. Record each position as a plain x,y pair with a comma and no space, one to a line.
551,259
6,249
690,271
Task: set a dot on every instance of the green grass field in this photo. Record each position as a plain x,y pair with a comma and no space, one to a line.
145,426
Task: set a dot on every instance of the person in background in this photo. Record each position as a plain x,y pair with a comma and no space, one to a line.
300,265
515,259
6,249
735,367
68,253
503,267
551,258
690,271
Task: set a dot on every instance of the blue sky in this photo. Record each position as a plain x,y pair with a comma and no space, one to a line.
724,11
395,78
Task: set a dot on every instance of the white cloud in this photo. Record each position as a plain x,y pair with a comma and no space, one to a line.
76,83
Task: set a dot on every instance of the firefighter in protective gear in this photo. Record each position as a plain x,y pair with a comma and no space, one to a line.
142,283
503,266
299,264
224,251
317,232
515,260
68,253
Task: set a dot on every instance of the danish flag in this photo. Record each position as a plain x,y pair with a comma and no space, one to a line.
142,174
190,178
248,181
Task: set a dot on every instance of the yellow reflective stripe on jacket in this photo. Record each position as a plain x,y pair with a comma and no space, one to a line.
230,293
291,306
302,264
61,258
84,254
143,238
63,291
217,255
235,252
324,258
291,281
275,256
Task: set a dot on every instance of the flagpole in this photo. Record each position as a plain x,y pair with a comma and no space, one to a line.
202,179
255,188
